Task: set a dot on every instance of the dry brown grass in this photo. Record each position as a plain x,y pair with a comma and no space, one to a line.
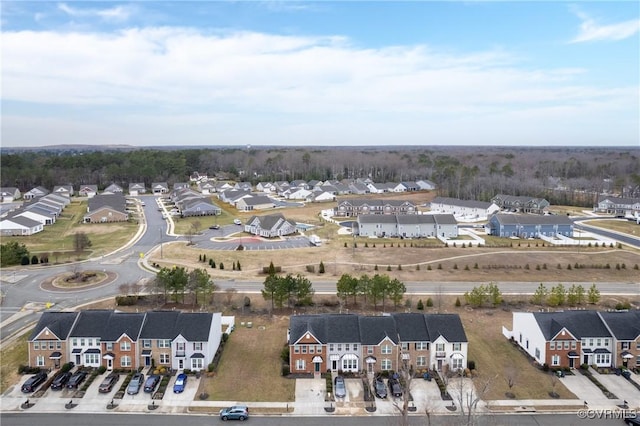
250,366
12,356
624,226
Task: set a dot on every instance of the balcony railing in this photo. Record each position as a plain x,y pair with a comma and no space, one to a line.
180,354
441,354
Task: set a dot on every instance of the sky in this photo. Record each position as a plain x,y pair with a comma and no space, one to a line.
320,73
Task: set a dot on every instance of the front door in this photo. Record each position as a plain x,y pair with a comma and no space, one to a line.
147,361
370,367
317,367
570,362
181,364
109,364
439,365
334,365
586,359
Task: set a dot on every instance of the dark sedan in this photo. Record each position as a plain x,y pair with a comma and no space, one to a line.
61,380
379,387
33,382
394,387
108,382
77,379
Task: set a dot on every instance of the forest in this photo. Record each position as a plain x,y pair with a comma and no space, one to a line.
563,175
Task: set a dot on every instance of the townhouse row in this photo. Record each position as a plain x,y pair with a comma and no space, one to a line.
123,340
571,338
353,343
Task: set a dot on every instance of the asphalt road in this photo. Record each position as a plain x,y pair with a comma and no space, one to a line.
79,419
21,286
627,239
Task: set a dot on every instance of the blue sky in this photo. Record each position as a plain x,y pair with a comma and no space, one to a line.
321,73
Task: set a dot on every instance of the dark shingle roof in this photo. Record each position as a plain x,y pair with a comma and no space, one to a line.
59,323
115,201
578,323
527,219
374,329
412,327
91,323
120,323
448,326
169,324
623,325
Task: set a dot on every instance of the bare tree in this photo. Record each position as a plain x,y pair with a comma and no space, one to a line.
229,293
469,393
511,377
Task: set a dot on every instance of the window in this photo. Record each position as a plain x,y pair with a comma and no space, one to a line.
304,349
164,358
296,349
125,345
36,345
386,350
109,346
603,358
606,342
552,345
439,347
537,353
421,361
339,347
51,345
312,349
456,364
457,346
197,363
527,344
349,364
386,364
81,342
125,361
331,347
566,344
164,343
355,346
40,361
405,346
599,342
91,359
520,338
369,350
573,344
422,346
346,347
146,343
555,360
89,342
300,364
319,349
590,342
197,346
74,342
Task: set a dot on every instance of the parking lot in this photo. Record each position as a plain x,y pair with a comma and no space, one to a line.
94,401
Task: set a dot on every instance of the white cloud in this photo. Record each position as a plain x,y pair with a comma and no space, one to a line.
118,13
250,87
590,30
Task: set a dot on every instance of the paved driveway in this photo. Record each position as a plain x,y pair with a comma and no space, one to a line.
585,390
620,386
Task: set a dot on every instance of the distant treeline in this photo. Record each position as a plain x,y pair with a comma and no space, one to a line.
562,175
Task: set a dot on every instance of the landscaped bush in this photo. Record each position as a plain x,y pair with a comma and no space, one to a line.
126,300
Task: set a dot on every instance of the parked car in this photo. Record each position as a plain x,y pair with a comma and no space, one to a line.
77,379
235,412
237,221
214,227
633,421
180,383
33,382
135,384
151,383
339,388
379,387
108,382
61,380
394,387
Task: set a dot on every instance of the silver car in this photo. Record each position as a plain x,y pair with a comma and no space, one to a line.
135,384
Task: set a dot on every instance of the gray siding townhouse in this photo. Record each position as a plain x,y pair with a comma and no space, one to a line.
521,204
526,226
355,207
467,209
407,226
618,206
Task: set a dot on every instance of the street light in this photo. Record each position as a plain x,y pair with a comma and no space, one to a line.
161,254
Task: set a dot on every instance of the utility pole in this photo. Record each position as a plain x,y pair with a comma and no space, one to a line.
161,254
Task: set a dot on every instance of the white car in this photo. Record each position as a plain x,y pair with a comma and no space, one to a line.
237,221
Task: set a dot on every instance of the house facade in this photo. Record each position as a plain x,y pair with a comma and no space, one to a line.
526,226
521,204
618,206
116,340
465,209
345,342
356,207
258,202
572,338
9,194
105,208
269,226
407,226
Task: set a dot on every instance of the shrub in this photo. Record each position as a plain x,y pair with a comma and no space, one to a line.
439,265
126,300
238,266
455,266
388,267
284,354
311,268
102,369
246,302
428,267
466,267
285,369
321,268
475,266
345,244
399,267
375,268
429,302
34,260
221,266
420,305
458,302
418,267
471,365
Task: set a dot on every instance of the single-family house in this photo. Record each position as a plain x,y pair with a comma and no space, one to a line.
180,185
320,196
207,187
104,208
410,186
159,188
9,194
87,190
45,217
297,193
269,226
36,192
358,188
14,225
199,207
521,204
64,190
137,188
426,185
258,202
114,188
266,187
526,226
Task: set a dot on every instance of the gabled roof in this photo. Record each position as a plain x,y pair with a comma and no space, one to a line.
580,324
257,200
23,221
91,323
59,323
411,327
115,201
120,323
624,325
448,326
373,329
527,219
169,324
